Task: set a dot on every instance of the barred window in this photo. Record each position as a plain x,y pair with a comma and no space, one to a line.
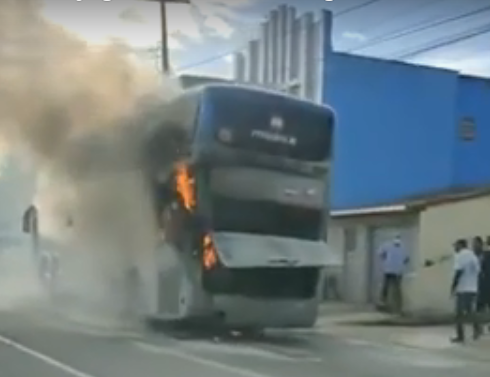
467,129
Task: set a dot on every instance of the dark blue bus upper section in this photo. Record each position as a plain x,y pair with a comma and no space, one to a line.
267,123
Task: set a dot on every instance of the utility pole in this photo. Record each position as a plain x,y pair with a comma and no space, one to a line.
164,31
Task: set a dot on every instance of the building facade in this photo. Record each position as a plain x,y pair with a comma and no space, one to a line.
428,228
402,129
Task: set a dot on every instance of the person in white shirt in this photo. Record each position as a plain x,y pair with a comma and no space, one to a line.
465,289
394,260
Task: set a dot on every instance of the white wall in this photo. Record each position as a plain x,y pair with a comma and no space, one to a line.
440,226
354,276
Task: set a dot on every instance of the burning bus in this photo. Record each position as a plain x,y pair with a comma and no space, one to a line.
243,214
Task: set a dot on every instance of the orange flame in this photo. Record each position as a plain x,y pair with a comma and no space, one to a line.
185,186
209,253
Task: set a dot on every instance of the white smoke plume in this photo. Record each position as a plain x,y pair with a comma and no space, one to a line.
78,113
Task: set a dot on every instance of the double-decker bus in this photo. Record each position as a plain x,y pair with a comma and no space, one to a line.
243,215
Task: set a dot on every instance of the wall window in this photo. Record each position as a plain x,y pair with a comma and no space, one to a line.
467,129
350,239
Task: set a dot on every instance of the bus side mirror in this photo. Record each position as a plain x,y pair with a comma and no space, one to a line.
26,224
29,220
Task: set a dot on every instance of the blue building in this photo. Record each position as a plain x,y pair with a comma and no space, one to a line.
402,131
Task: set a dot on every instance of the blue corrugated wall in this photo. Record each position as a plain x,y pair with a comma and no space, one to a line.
472,158
396,128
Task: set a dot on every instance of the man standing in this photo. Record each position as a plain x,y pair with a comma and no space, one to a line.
483,301
394,260
479,248
465,289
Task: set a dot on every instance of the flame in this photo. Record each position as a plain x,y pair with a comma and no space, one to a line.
209,253
185,186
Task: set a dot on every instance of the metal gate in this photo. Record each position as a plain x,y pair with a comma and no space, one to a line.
378,236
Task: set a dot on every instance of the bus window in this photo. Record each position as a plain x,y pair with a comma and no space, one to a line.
265,218
270,124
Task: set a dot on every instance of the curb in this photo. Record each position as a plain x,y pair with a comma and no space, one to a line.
463,352
401,322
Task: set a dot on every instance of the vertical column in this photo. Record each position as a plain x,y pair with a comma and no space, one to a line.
238,66
264,53
304,51
273,47
295,62
281,44
322,54
252,62
289,44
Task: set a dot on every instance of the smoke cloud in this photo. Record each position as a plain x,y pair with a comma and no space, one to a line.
79,113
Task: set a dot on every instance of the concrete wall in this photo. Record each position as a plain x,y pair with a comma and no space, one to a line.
357,262
471,165
439,228
395,129
355,274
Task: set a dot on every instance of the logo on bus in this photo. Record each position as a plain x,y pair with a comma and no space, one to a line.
277,123
276,135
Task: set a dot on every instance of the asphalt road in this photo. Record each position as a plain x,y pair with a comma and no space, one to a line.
31,346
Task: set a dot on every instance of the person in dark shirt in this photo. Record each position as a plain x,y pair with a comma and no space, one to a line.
483,302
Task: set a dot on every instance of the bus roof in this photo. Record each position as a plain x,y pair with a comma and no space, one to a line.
209,87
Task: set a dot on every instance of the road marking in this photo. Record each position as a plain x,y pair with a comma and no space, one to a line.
259,350
44,358
198,360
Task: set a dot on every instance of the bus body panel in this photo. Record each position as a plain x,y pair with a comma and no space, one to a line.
240,250
244,312
268,185
278,125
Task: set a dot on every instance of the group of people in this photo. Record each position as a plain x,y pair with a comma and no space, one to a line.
470,285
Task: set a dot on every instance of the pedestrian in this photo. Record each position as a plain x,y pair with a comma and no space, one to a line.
464,288
394,260
483,301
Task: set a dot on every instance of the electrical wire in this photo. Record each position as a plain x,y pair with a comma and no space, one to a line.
398,34
482,30
403,13
227,53
356,7
418,28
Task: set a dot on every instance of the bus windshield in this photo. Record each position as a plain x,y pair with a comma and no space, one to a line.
270,124
265,218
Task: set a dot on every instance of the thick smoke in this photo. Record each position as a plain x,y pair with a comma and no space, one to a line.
79,113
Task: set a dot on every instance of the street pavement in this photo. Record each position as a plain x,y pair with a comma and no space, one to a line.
32,345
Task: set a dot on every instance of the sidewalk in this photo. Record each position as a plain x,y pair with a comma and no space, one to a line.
362,325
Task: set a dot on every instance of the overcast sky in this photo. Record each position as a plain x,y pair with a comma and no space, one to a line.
448,33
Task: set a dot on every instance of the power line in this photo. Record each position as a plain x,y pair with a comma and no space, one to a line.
444,43
225,54
356,7
401,33
418,8
418,28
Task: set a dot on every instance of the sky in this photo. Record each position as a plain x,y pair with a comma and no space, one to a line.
203,35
